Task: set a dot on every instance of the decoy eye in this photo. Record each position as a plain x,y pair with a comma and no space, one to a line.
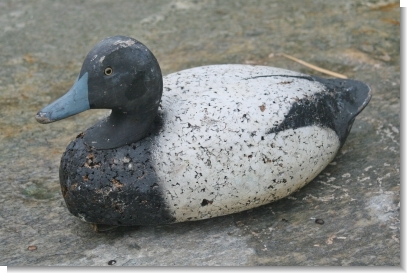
108,71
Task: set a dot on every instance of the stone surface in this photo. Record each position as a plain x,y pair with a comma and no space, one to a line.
357,196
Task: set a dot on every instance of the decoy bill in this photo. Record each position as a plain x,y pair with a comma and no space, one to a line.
199,143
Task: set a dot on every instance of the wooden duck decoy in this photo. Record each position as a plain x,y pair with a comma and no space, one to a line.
200,143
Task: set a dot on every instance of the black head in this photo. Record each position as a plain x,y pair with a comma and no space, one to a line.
121,74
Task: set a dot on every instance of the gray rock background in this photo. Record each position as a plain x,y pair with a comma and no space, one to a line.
43,44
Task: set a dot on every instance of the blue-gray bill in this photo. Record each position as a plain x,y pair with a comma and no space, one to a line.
73,102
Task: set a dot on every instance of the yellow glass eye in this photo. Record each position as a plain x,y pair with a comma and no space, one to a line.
108,71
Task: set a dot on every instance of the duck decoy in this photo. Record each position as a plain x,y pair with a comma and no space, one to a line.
198,143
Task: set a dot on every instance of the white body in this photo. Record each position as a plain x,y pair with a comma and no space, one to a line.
214,156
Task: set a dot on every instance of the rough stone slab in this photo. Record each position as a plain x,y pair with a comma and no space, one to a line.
357,195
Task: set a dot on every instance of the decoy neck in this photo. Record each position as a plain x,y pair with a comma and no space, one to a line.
120,74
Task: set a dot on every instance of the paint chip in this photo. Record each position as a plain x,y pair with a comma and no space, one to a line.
124,44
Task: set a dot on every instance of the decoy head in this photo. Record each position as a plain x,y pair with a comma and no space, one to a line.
121,74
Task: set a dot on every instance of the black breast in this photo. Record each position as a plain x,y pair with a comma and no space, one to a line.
115,186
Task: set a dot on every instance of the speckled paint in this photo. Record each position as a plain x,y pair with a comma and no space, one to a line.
214,155
227,138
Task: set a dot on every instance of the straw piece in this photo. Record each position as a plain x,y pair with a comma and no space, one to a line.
334,74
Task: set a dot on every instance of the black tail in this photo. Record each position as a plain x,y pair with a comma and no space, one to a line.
334,107
350,98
